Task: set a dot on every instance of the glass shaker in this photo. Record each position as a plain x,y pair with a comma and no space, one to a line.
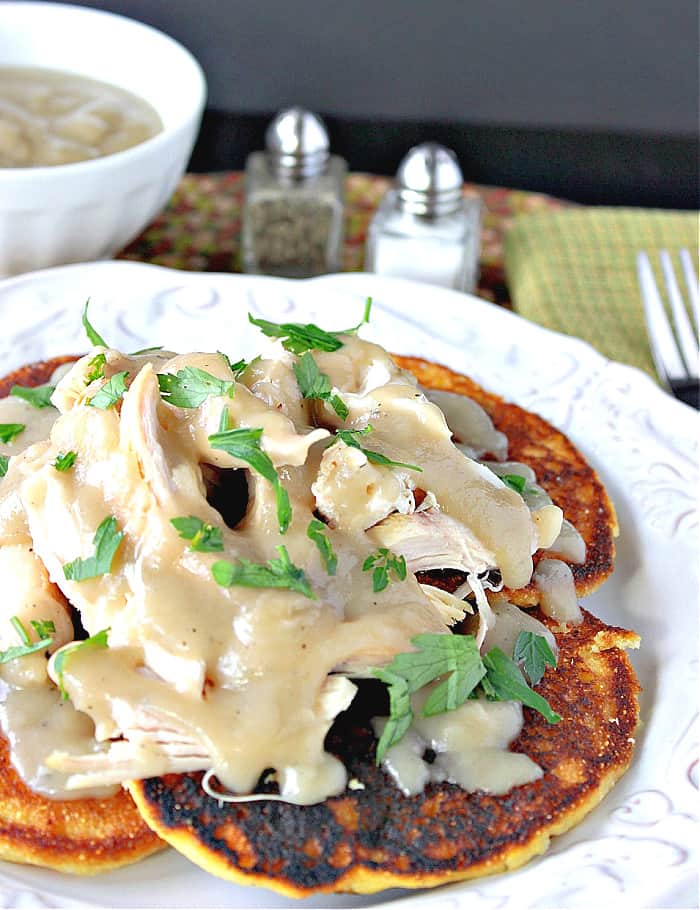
425,228
293,213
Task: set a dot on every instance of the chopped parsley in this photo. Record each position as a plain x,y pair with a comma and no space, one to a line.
107,539
318,532
43,628
10,431
190,387
314,384
237,368
65,461
244,444
534,653
93,336
156,347
110,393
97,370
382,563
298,337
99,640
463,673
350,438
38,396
205,537
4,464
515,482
276,573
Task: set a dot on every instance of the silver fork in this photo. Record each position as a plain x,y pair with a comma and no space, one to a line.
676,363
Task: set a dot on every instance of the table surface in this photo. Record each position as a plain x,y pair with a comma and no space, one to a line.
200,228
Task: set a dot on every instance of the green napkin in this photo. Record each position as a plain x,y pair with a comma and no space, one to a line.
574,271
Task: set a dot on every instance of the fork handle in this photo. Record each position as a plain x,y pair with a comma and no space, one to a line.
688,391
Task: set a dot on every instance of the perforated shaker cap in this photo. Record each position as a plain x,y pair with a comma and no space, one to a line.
297,144
429,180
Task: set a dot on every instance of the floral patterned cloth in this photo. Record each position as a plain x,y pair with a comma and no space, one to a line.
200,228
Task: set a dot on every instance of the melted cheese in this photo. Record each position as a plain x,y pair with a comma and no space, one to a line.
236,680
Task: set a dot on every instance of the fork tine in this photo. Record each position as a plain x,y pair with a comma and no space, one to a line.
691,280
686,336
663,346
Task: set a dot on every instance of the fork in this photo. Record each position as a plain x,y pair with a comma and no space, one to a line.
677,366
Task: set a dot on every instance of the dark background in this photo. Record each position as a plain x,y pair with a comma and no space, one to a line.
591,100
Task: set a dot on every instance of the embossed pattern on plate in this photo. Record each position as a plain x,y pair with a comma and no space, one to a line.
639,847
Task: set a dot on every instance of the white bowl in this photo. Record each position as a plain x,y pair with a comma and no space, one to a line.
91,209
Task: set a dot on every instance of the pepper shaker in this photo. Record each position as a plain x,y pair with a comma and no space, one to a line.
293,213
425,228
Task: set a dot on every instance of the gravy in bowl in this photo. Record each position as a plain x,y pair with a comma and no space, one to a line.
50,117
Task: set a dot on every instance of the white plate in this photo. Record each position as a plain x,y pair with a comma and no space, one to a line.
637,849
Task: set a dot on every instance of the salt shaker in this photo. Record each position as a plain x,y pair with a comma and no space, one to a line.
424,228
293,213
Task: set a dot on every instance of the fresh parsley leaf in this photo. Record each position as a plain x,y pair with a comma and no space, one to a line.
99,640
318,532
98,368
9,431
205,538
382,562
107,539
156,347
465,674
191,387
110,393
507,683
350,438
534,652
400,712
299,337
277,573
244,444
4,464
240,366
93,336
64,462
515,482
314,384
38,396
43,627
27,646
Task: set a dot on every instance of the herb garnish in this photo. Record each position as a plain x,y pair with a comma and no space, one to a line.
457,658
277,573
98,368
534,652
9,431
64,462
156,347
240,366
318,532
190,387
316,385
93,336
299,337
244,443
99,640
349,437
515,482
382,562
205,537
4,464
107,539
110,393
38,396
42,627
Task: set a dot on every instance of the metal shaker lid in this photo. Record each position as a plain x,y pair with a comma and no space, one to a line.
429,180
297,144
